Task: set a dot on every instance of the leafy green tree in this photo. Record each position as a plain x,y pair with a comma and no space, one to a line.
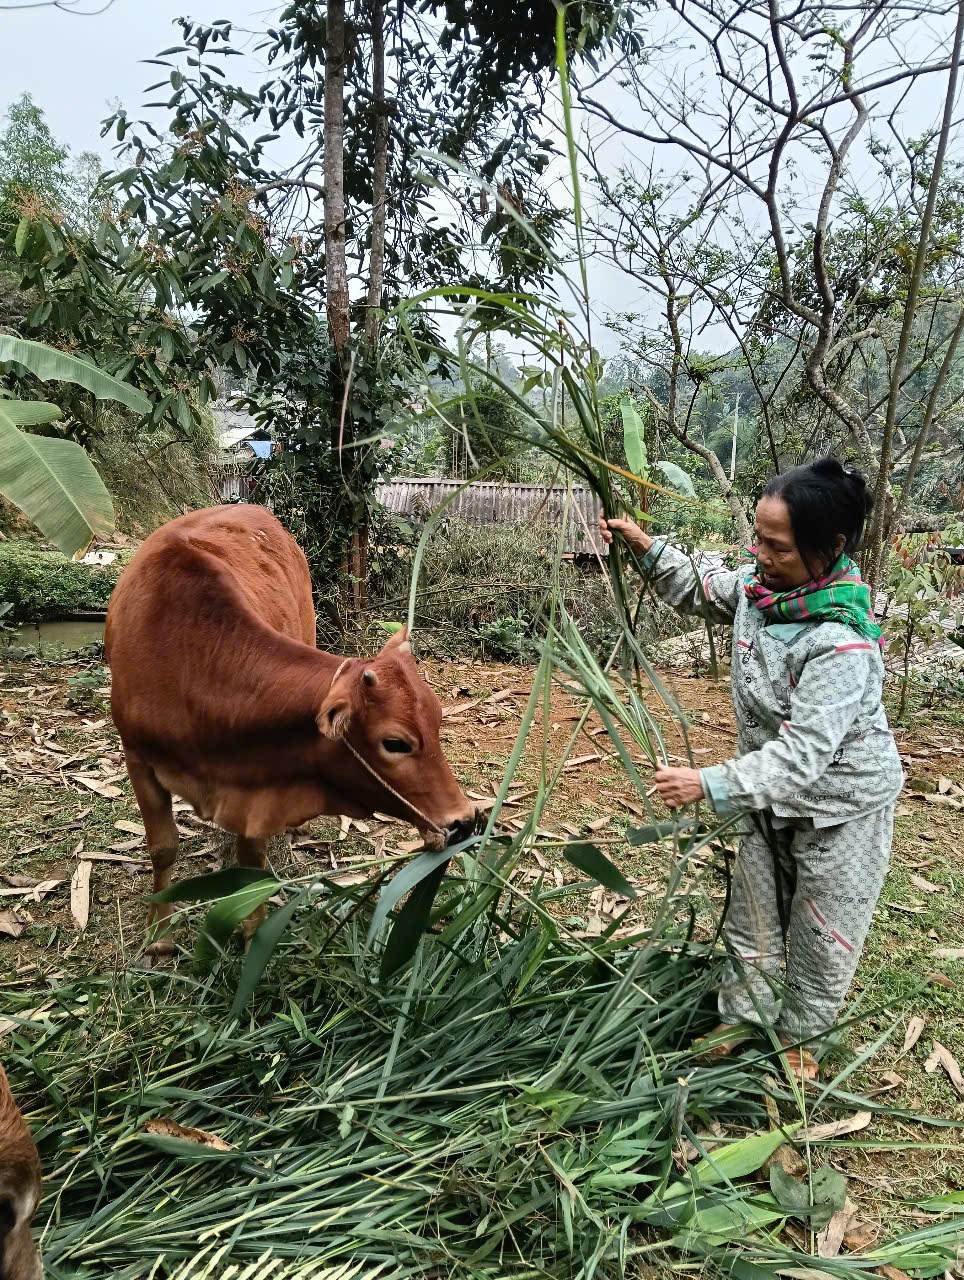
217,258
34,176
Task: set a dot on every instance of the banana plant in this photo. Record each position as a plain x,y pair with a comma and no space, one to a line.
634,443
52,480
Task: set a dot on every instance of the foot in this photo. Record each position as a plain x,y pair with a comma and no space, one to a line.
800,1062
723,1039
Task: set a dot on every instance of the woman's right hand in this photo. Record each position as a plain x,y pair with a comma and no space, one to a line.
637,539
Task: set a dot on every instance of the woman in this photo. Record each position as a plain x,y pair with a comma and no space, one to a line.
817,771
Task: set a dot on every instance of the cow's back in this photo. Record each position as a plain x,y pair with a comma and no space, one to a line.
192,606
211,553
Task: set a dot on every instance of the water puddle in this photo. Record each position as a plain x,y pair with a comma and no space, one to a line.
65,636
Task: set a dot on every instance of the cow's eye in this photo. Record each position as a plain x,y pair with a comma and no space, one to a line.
397,746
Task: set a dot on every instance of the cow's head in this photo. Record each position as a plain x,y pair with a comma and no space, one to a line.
19,1191
386,712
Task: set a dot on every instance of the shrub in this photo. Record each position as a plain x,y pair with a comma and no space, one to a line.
44,584
484,591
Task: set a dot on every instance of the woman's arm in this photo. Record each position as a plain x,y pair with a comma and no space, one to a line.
678,580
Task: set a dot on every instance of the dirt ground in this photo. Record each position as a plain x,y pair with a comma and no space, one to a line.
66,808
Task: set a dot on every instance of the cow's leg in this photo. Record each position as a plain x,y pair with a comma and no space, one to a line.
250,853
154,803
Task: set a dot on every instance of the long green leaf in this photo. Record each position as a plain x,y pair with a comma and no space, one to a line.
677,477
735,1160
224,917
50,365
411,923
409,876
266,938
218,884
634,438
595,864
55,485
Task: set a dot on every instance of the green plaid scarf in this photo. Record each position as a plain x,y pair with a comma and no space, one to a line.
840,596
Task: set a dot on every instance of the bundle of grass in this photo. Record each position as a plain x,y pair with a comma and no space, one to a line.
515,1104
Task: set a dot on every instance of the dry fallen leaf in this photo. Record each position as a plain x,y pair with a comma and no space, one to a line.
19,882
599,824
892,1273
892,1080
835,1129
859,1236
912,1034
171,1129
580,760
105,789
939,953
928,886
10,924
942,980
942,1057
80,894
831,1237
135,828
9,1024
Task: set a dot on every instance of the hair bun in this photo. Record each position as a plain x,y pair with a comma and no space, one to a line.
859,482
829,467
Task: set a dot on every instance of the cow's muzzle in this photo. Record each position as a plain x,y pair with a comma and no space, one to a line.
462,830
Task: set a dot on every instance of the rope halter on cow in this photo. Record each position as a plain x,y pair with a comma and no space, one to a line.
374,772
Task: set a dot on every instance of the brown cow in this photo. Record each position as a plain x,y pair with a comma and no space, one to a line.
19,1191
220,696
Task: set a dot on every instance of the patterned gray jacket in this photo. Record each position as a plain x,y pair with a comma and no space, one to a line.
813,738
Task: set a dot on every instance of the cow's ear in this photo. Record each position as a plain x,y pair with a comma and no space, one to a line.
335,715
399,642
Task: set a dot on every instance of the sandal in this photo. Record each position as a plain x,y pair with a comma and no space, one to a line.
723,1039
800,1062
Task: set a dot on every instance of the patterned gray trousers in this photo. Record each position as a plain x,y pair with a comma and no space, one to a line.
828,879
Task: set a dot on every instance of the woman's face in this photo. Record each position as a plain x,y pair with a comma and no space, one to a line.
780,564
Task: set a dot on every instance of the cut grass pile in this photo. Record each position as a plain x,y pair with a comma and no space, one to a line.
514,1105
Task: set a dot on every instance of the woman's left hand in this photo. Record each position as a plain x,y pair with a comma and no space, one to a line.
677,787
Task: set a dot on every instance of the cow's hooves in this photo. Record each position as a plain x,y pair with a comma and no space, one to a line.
159,955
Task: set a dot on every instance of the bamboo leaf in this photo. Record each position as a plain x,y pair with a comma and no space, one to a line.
224,917
50,365
55,485
218,884
266,938
411,922
596,865
411,874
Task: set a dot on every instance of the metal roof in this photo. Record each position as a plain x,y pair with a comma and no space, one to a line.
489,502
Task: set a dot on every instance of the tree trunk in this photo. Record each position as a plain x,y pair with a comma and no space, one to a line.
336,268
376,268
882,513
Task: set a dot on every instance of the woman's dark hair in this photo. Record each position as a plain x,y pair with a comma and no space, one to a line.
826,502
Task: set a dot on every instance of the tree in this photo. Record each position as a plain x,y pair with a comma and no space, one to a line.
33,167
866,275
221,254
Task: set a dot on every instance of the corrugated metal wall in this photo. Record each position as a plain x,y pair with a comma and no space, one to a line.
486,502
